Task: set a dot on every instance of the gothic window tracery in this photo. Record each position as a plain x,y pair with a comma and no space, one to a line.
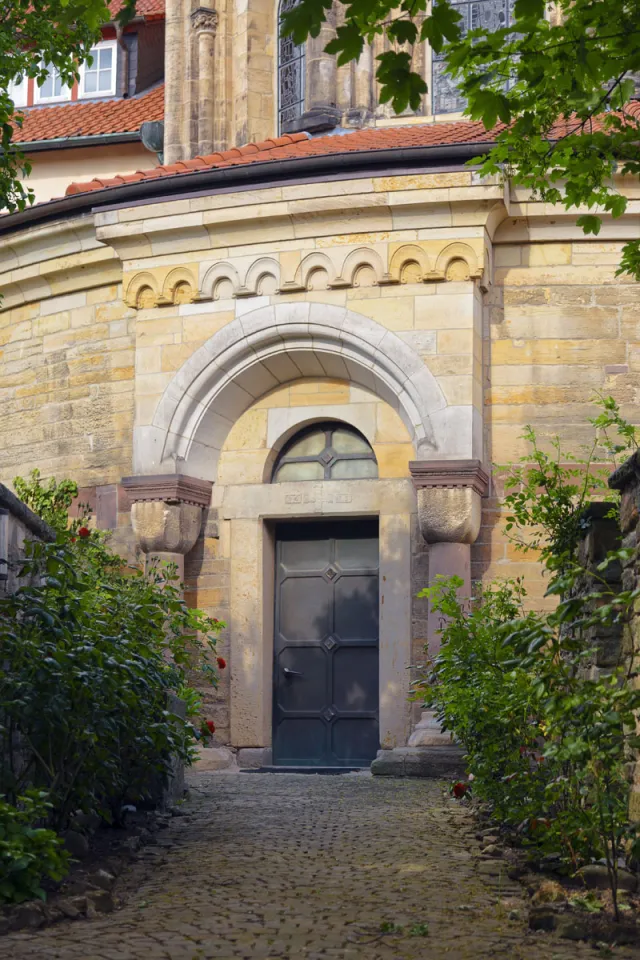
291,64
490,14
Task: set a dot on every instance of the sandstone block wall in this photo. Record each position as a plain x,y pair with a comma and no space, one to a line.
500,310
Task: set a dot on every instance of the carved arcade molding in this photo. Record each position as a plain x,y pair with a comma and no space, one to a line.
418,262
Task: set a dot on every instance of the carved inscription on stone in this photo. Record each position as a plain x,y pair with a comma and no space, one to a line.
316,494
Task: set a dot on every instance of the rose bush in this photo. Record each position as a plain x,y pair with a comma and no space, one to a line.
92,654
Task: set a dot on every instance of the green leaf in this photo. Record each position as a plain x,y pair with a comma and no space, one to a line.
589,223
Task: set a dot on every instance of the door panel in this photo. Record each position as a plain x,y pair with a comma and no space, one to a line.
353,738
306,694
355,678
356,607
326,644
305,607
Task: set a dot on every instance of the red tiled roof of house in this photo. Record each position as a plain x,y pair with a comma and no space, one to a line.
90,119
144,8
299,145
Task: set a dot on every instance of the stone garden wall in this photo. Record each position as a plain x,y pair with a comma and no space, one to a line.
17,525
627,481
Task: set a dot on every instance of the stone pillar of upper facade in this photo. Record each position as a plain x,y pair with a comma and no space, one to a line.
203,25
449,512
175,86
190,87
363,103
322,111
166,515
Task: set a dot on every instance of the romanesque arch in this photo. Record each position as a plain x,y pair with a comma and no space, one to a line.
274,345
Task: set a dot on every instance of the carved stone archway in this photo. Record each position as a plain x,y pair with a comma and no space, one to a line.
278,344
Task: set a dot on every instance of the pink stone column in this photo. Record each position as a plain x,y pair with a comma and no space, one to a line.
447,560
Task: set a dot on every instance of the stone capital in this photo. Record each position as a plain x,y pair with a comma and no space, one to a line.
166,511
449,498
204,20
169,487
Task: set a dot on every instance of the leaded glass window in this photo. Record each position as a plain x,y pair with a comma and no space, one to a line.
290,74
326,451
488,14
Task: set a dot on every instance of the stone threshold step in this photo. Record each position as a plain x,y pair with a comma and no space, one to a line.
325,771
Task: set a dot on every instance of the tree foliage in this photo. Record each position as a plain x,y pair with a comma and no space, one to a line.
557,84
32,35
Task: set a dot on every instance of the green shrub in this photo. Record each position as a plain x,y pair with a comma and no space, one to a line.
547,737
91,652
51,501
485,696
546,740
28,852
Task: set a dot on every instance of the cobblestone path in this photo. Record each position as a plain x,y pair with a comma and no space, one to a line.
309,867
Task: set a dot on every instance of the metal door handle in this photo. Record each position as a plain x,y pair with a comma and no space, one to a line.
291,673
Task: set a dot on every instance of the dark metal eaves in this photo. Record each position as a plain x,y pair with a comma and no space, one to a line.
247,176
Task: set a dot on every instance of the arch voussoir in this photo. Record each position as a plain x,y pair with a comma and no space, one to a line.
246,358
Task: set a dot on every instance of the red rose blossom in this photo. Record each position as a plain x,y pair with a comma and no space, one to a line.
459,789
221,663
84,532
211,725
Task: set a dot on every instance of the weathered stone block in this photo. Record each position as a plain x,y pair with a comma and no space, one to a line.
434,763
214,759
253,757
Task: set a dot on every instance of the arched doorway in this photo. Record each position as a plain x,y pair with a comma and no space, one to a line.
326,624
230,416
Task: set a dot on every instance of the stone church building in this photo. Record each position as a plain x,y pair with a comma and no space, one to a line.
289,356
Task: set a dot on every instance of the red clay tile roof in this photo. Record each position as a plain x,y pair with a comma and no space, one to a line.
90,119
299,145
148,9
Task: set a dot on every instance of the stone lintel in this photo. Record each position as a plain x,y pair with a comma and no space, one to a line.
449,495
171,488
449,473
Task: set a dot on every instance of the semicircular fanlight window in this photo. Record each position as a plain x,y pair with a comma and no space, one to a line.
326,451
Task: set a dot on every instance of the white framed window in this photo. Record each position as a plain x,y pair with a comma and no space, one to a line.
98,76
17,90
53,89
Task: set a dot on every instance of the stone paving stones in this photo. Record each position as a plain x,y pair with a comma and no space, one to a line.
306,867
